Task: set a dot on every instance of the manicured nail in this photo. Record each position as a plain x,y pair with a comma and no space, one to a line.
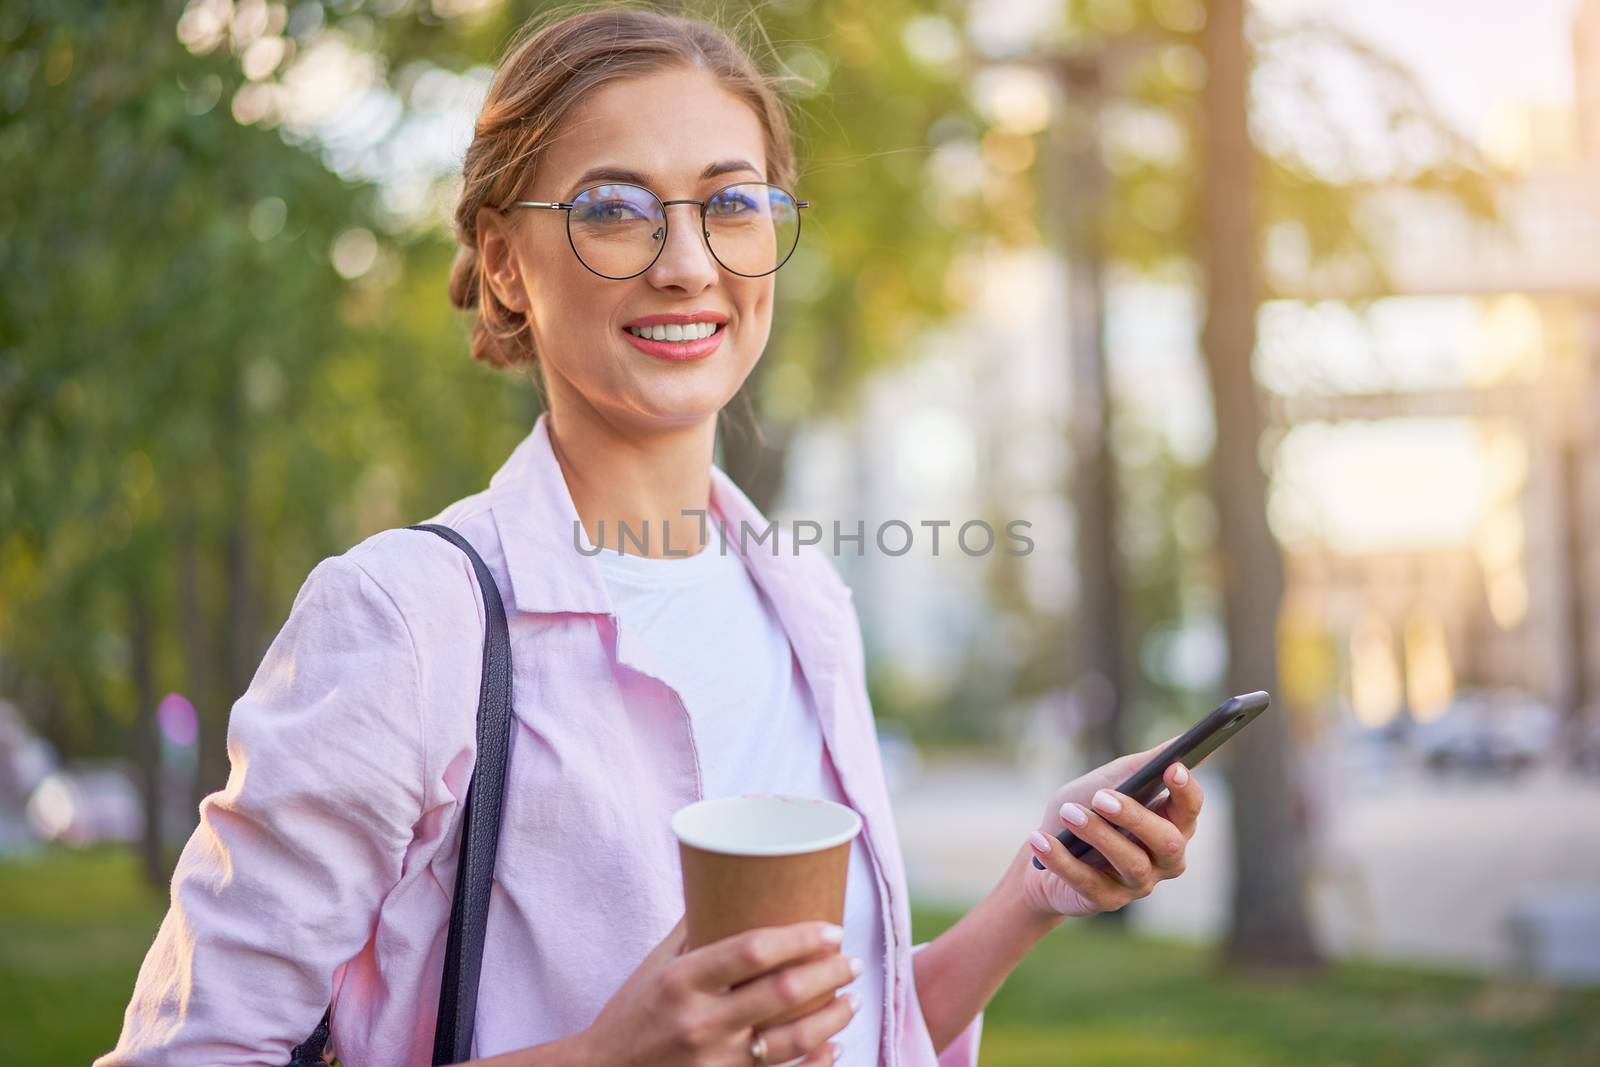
855,1002
838,1050
833,934
1074,814
1039,841
1181,775
1106,802
856,966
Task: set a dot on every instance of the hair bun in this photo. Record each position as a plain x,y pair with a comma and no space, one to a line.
464,277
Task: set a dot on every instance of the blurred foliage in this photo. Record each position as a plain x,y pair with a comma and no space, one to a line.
196,405
1131,72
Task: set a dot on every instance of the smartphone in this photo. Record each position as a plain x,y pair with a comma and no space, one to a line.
1203,738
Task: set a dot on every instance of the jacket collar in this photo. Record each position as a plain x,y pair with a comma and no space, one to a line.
536,519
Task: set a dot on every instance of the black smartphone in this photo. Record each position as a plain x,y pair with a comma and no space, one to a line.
1146,785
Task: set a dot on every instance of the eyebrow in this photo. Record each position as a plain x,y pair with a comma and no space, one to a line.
609,172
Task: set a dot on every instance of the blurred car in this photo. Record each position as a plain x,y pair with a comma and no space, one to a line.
1583,747
1485,730
86,804
1370,754
25,760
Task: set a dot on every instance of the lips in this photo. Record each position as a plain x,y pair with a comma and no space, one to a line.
676,351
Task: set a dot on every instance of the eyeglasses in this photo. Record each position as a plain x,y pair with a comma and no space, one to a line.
618,230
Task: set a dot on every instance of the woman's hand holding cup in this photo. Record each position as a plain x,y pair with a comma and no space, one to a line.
704,1007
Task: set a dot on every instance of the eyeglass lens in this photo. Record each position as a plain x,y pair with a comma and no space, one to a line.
617,230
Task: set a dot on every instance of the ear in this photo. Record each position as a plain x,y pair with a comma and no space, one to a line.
498,260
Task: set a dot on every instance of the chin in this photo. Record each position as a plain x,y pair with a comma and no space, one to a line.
673,412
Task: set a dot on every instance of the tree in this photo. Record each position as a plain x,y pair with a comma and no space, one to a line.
191,391
1185,70
1269,919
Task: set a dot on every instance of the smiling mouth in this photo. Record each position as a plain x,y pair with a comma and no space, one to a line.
692,331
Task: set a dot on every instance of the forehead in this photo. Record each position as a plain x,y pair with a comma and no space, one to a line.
667,125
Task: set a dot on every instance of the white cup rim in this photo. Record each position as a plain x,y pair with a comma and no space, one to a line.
813,824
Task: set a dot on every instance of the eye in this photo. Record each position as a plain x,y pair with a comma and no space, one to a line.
731,204
610,211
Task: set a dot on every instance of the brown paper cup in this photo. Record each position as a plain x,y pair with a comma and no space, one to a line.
763,859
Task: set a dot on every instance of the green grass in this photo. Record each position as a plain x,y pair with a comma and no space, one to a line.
75,925
73,928
1091,996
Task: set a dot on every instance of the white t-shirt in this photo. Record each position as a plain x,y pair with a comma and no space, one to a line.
726,653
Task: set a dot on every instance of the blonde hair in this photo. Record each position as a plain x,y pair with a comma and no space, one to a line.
546,71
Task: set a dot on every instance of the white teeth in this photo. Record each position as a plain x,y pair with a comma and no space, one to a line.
693,331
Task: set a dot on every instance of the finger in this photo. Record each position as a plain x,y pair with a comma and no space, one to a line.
1184,799
809,1032
1127,857
1120,768
823,1056
743,956
771,995
672,944
1099,887
1162,841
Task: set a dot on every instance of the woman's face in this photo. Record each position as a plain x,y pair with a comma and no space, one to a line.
669,128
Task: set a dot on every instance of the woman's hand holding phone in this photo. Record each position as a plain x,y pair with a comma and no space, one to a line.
1136,847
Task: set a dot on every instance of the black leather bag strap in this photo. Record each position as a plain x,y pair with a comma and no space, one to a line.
469,907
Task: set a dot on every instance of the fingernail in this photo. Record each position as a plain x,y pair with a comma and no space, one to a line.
833,934
856,966
1039,841
1181,775
855,1002
1074,814
838,1050
1106,802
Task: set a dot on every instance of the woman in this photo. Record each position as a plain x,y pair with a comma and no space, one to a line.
322,872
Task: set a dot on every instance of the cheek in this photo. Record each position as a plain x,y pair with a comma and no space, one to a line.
755,310
571,309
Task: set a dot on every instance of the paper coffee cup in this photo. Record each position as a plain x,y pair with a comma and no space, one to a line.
763,859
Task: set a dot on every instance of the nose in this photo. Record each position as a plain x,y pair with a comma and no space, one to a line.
686,263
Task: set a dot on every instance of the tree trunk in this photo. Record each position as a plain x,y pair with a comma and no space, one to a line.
195,637
236,647
147,736
1097,656
1099,630
241,649
1269,924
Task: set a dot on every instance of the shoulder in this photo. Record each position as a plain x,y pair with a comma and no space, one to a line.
425,576
414,599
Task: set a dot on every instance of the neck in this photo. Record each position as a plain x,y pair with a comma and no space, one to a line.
647,482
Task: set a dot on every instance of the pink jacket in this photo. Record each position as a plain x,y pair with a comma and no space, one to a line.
323,871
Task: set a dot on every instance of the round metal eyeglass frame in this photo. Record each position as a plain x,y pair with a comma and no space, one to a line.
666,222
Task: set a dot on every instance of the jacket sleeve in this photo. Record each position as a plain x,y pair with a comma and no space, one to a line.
280,884
963,1051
